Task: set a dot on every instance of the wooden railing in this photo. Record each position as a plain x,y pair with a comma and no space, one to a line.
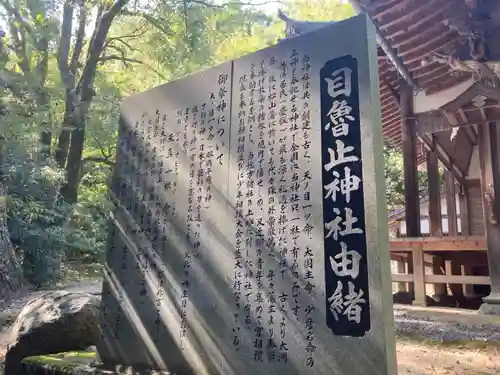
419,246
471,243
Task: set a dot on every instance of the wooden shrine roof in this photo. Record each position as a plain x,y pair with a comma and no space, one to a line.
416,30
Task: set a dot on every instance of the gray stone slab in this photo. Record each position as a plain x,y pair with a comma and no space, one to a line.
263,293
159,282
328,351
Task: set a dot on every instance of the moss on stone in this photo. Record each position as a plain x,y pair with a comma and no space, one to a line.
61,363
74,358
75,363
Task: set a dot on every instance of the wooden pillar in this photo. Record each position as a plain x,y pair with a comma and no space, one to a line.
439,268
451,204
419,275
467,270
464,211
457,290
408,125
410,173
489,159
434,188
401,270
435,223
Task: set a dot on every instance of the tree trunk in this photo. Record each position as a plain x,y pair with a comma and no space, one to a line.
46,134
11,279
69,190
62,147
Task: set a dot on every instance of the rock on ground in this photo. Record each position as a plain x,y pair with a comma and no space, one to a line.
54,322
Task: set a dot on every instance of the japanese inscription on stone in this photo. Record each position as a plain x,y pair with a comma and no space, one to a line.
246,236
346,269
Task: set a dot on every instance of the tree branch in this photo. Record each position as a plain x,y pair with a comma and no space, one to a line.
80,35
207,4
85,90
14,13
121,39
98,159
65,45
19,46
124,59
43,61
96,48
151,20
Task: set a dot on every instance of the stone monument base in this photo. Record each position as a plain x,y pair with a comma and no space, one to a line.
491,305
74,363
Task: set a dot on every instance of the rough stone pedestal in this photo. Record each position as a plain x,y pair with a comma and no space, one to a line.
491,305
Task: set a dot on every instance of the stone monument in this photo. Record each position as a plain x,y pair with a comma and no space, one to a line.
250,235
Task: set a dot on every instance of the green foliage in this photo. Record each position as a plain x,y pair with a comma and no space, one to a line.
161,41
394,183
320,10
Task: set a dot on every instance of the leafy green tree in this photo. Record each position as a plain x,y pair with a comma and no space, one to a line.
11,278
64,69
319,10
394,180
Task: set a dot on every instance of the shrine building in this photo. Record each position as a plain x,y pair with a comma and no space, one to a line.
439,69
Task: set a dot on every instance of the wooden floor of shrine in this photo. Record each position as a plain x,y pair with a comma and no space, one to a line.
414,257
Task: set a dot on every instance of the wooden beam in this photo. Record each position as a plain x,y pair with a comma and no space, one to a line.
419,275
402,271
439,269
464,211
467,270
452,279
457,290
434,189
426,77
469,243
433,122
489,160
410,172
391,54
452,118
451,204
412,203
402,278
419,20
394,94
444,157
471,134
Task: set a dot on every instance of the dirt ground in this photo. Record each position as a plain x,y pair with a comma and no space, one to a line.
414,357
420,359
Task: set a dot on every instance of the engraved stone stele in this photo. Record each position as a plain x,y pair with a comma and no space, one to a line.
250,230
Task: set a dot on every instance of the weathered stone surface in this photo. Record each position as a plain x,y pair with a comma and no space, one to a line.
218,261
491,305
75,363
60,364
53,323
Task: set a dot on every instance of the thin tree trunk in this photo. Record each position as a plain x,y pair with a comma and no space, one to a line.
85,89
46,134
11,276
61,152
11,279
73,167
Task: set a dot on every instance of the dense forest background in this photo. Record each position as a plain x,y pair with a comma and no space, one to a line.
64,67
